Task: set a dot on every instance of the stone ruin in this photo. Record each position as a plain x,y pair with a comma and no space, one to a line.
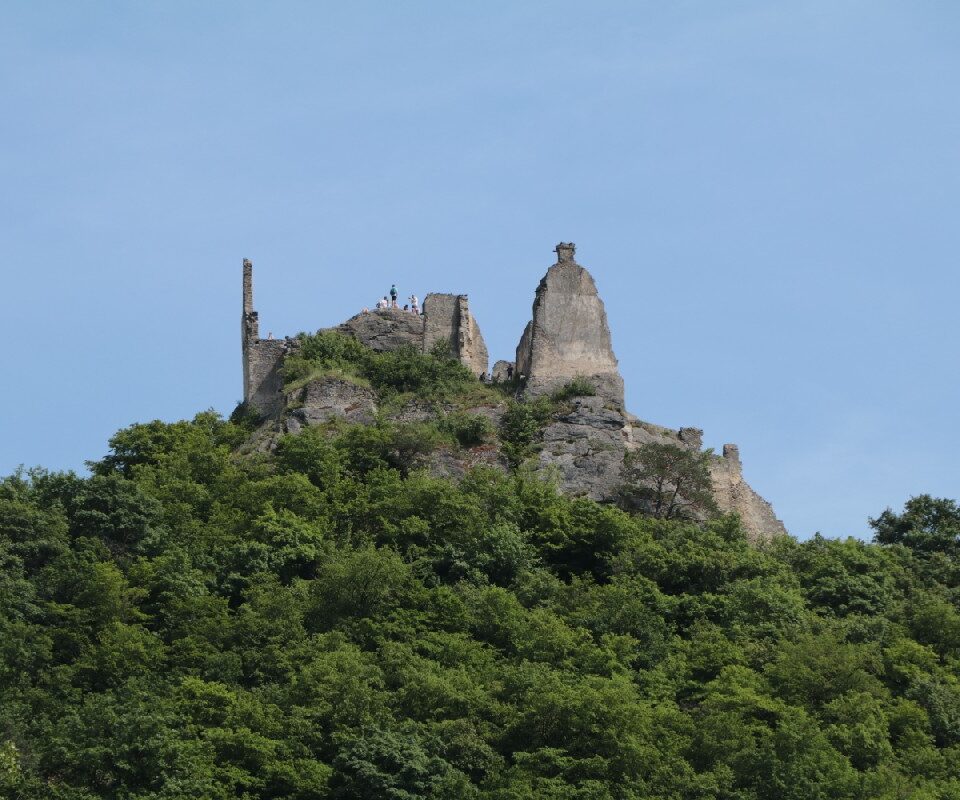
446,317
567,338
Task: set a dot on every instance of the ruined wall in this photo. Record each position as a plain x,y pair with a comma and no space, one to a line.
263,387
441,314
524,350
262,358
471,348
569,335
447,318
734,495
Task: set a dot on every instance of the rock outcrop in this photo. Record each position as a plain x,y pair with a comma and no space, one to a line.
446,318
584,448
584,445
330,398
734,495
568,336
385,329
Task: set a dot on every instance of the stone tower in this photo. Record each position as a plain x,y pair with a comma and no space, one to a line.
568,336
262,358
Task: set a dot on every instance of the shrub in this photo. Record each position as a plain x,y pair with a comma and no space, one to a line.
405,370
521,426
325,351
578,387
408,370
470,430
394,446
332,349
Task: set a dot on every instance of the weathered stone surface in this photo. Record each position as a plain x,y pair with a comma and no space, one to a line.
262,358
447,463
441,313
329,398
472,349
263,383
502,371
692,437
568,335
734,495
385,329
447,318
585,449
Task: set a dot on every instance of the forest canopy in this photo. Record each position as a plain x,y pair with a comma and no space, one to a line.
321,621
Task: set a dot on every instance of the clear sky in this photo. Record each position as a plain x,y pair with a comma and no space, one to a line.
766,193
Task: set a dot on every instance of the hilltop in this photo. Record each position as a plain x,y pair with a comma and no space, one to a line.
565,351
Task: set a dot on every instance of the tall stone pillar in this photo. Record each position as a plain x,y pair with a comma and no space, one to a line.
568,336
249,327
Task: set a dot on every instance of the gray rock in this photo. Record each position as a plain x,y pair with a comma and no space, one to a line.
585,448
568,336
501,370
330,398
386,329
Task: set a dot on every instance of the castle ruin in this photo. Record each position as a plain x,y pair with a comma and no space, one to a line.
567,338
445,318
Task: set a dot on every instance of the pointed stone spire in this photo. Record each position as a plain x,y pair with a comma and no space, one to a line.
568,336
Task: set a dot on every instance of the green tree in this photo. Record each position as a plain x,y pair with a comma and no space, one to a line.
927,525
521,427
668,481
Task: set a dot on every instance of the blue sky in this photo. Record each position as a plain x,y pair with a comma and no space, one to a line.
766,194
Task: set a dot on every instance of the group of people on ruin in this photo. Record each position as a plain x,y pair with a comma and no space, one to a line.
389,300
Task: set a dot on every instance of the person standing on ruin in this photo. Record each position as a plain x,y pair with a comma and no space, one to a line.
393,296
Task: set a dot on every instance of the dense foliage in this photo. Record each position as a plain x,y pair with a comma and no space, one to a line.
191,623
404,370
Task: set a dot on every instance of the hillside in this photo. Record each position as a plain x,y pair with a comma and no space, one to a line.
398,605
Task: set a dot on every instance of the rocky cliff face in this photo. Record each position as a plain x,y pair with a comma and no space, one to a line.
585,448
734,495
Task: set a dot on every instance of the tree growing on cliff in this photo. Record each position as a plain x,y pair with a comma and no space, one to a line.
668,481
